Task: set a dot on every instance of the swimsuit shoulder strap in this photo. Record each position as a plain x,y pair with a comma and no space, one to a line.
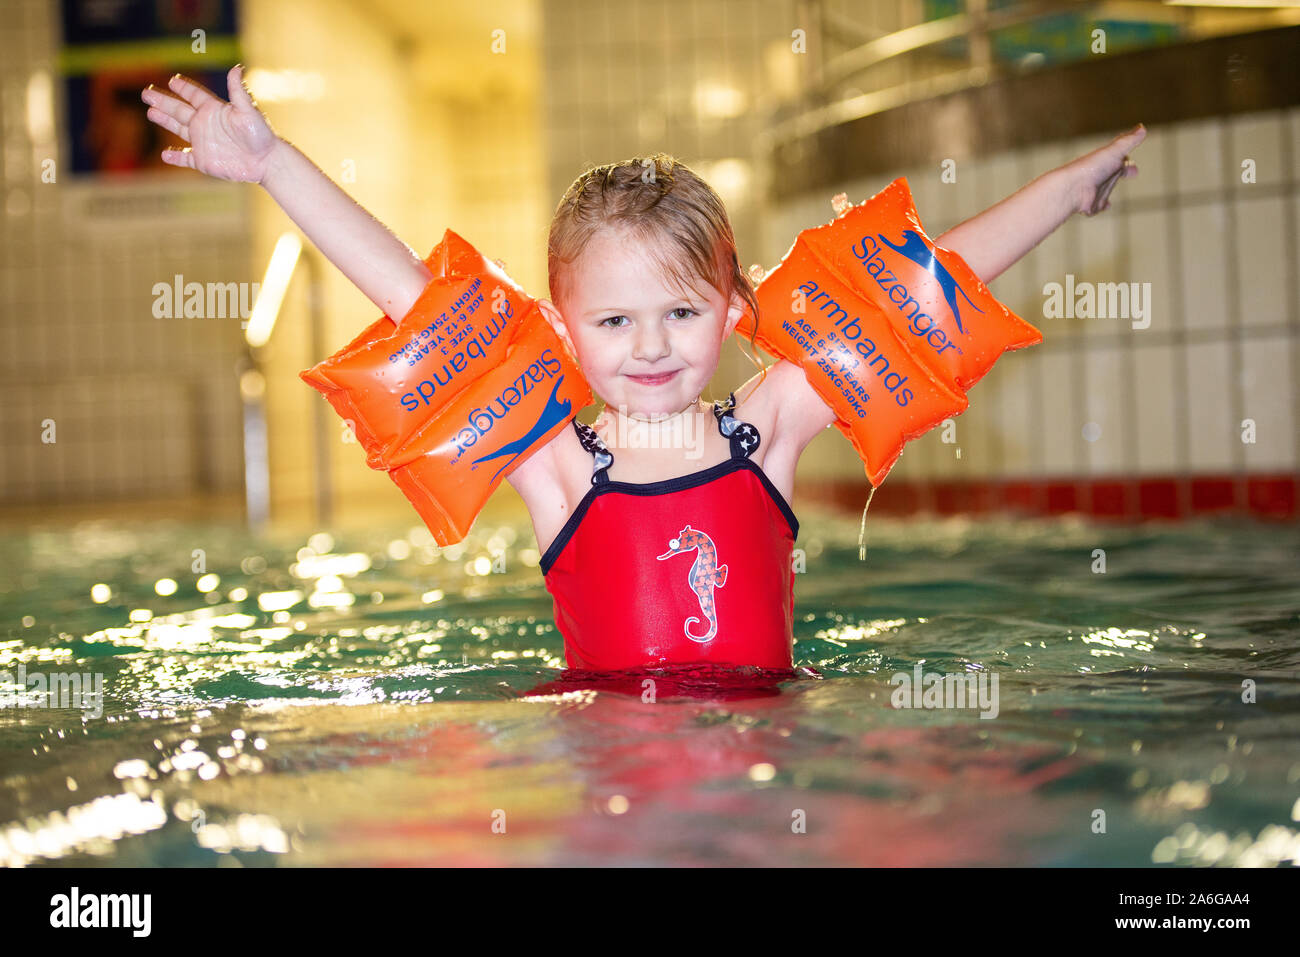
602,457
744,437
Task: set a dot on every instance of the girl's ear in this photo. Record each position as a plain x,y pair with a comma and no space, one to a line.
735,311
552,316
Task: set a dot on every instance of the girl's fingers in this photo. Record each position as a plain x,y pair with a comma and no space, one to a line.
196,94
1121,145
168,123
1103,192
168,104
183,157
235,87
1133,137
1101,201
1125,142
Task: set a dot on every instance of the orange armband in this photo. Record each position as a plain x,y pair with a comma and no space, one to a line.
460,391
890,329
392,378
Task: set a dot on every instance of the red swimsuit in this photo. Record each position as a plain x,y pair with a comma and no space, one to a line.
690,569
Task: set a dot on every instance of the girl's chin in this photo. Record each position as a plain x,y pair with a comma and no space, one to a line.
637,407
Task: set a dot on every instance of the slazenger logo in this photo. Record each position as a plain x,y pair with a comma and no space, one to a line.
482,420
102,910
915,249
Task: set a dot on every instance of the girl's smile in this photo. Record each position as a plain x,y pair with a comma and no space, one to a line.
646,347
653,380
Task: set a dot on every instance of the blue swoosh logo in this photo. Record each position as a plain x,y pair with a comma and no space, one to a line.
555,411
915,249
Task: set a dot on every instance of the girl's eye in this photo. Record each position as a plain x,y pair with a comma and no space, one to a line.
614,322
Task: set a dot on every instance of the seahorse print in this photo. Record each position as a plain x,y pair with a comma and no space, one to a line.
706,574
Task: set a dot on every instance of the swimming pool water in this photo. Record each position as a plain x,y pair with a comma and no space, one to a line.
364,698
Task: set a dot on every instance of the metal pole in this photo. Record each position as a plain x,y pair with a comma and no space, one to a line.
257,478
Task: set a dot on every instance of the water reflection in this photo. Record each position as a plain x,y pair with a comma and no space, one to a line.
382,701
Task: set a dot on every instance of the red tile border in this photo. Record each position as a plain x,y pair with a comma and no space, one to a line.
1158,498
1062,497
1272,497
1019,496
1109,499
1213,494
1131,498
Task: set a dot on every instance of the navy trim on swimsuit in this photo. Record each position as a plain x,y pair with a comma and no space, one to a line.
743,439
661,487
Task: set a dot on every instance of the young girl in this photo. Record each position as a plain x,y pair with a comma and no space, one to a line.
665,528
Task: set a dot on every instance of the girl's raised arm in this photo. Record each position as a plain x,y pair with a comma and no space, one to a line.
233,141
997,238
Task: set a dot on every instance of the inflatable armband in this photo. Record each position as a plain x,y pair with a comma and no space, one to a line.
451,398
390,379
890,329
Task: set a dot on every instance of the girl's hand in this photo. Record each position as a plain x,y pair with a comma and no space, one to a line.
231,141
1090,178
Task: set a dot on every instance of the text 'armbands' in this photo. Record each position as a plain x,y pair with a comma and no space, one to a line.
890,329
460,391
390,380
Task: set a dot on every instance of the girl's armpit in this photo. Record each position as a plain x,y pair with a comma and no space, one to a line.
795,412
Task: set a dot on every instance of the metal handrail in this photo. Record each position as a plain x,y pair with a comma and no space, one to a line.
978,23
820,109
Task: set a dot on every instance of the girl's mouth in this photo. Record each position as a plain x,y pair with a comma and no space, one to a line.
654,379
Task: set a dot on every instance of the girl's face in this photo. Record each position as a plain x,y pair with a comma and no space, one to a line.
643,348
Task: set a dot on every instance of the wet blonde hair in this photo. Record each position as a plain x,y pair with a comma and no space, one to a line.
662,205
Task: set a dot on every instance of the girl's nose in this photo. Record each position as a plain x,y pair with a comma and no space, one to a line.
651,342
